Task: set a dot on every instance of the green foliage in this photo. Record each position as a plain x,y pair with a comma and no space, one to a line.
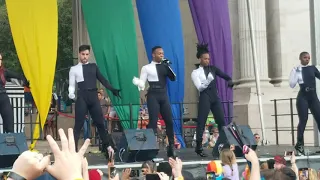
7,48
65,43
65,40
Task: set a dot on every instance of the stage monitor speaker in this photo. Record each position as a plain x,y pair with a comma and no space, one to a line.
137,146
227,138
11,146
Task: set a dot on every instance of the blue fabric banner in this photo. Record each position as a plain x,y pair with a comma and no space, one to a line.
160,23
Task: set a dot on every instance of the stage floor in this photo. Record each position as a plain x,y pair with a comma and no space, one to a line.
188,155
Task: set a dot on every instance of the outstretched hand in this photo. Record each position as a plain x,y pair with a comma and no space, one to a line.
116,92
230,84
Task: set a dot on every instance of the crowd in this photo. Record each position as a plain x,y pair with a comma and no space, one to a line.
69,164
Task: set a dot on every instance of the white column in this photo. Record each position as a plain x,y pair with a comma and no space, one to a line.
315,49
247,77
80,32
274,43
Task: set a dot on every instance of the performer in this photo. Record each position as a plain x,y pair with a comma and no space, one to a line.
156,73
307,97
6,110
204,78
86,74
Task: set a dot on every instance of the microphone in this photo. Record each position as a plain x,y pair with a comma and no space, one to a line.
167,61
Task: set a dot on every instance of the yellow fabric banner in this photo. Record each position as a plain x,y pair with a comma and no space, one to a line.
34,27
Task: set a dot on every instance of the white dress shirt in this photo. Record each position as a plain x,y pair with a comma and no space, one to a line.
148,72
75,75
296,76
199,79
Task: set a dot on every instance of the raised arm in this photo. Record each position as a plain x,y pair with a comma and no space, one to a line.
196,81
72,83
103,80
293,79
171,75
222,74
141,82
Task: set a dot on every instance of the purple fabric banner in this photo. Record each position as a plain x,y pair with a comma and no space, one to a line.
212,24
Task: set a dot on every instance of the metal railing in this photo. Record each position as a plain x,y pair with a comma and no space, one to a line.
32,120
291,113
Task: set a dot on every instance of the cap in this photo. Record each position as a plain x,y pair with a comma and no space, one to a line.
280,160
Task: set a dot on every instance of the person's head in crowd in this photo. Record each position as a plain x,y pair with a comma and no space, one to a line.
100,96
215,131
264,166
227,157
279,174
313,175
148,167
270,163
95,174
214,170
257,138
279,162
101,90
165,167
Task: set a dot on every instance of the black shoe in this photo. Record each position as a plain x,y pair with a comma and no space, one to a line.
299,148
170,152
199,150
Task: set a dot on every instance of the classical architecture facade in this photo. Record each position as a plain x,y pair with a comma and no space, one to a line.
283,29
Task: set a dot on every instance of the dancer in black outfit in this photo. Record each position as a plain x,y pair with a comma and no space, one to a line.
157,99
86,75
204,78
307,98
6,110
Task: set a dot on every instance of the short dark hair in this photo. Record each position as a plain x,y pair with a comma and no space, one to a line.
302,54
155,48
84,47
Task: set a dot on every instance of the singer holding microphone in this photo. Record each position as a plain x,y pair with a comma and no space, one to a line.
307,98
156,74
204,78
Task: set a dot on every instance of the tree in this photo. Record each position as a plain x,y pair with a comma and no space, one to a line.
64,54
65,43
7,48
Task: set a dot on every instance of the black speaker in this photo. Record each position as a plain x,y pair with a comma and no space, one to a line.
137,146
11,146
237,135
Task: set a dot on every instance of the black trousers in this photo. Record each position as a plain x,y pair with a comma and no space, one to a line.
208,102
158,101
6,112
305,101
88,100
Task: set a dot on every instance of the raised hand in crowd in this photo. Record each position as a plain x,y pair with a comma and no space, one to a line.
85,171
255,168
163,176
29,165
68,162
126,174
176,166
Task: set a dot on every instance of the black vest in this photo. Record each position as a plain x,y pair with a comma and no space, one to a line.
308,76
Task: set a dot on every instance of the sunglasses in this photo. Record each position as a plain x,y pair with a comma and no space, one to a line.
257,137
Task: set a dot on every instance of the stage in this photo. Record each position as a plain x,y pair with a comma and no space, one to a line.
197,165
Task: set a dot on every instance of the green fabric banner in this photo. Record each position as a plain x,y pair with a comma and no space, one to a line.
112,33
